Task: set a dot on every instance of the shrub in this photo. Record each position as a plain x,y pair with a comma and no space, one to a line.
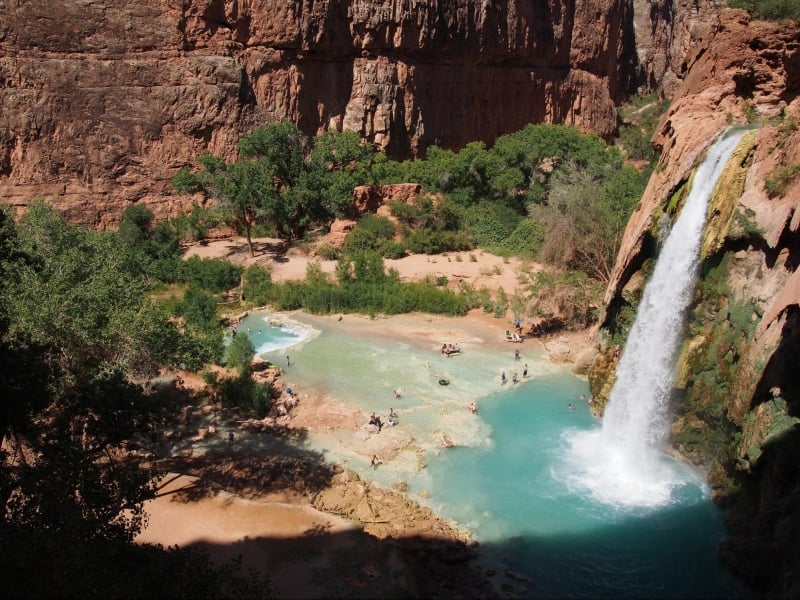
240,353
328,252
779,181
256,285
430,241
199,308
393,250
770,10
134,227
212,274
370,234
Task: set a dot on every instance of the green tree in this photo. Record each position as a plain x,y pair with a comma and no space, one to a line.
257,285
280,147
135,225
339,162
199,308
70,313
585,218
240,353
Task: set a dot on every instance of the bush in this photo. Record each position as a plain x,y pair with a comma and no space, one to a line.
199,308
490,224
393,250
328,252
770,10
526,239
256,285
430,241
212,274
247,395
134,227
779,181
240,353
371,233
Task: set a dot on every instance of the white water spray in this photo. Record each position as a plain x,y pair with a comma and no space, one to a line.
623,464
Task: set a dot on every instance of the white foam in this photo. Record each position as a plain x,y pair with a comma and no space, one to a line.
622,464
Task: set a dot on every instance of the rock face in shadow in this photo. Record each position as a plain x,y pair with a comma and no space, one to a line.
737,397
101,102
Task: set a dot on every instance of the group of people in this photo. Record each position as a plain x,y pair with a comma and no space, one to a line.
514,337
449,349
391,420
514,378
376,420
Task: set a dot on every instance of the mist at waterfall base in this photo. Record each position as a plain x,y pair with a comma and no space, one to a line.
509,479
622,463
573,508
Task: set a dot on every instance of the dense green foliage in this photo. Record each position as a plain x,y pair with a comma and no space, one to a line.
77,333
547,192
274,184
212,274
769,10
364,286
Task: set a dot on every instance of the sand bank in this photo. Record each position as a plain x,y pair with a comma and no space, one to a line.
367,541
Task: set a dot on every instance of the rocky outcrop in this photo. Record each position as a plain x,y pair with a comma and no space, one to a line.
372,198
744,70
101,102
737,399
667,32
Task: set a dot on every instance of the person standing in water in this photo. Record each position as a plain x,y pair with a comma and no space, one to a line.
288,361
503,377
525,370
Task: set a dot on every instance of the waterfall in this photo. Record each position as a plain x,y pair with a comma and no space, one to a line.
637,412
623,463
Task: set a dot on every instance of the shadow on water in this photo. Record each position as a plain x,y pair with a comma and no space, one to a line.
613,562
609,561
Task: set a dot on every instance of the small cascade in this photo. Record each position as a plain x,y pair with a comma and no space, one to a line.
623,463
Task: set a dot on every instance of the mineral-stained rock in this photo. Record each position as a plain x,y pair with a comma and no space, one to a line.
744,319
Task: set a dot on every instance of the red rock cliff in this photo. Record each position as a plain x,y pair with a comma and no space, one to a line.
102,101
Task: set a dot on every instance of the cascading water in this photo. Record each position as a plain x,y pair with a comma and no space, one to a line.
622,463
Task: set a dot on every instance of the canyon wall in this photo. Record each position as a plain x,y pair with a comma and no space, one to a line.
737,398
102,101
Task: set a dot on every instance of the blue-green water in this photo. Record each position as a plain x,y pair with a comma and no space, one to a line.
512,478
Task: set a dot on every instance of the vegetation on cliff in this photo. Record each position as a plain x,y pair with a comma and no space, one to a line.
770,10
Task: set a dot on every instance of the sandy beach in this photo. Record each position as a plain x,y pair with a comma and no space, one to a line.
317,530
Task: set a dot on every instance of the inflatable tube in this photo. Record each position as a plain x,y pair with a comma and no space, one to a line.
444,382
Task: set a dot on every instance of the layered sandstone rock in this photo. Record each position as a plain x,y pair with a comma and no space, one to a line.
102,101
743,70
